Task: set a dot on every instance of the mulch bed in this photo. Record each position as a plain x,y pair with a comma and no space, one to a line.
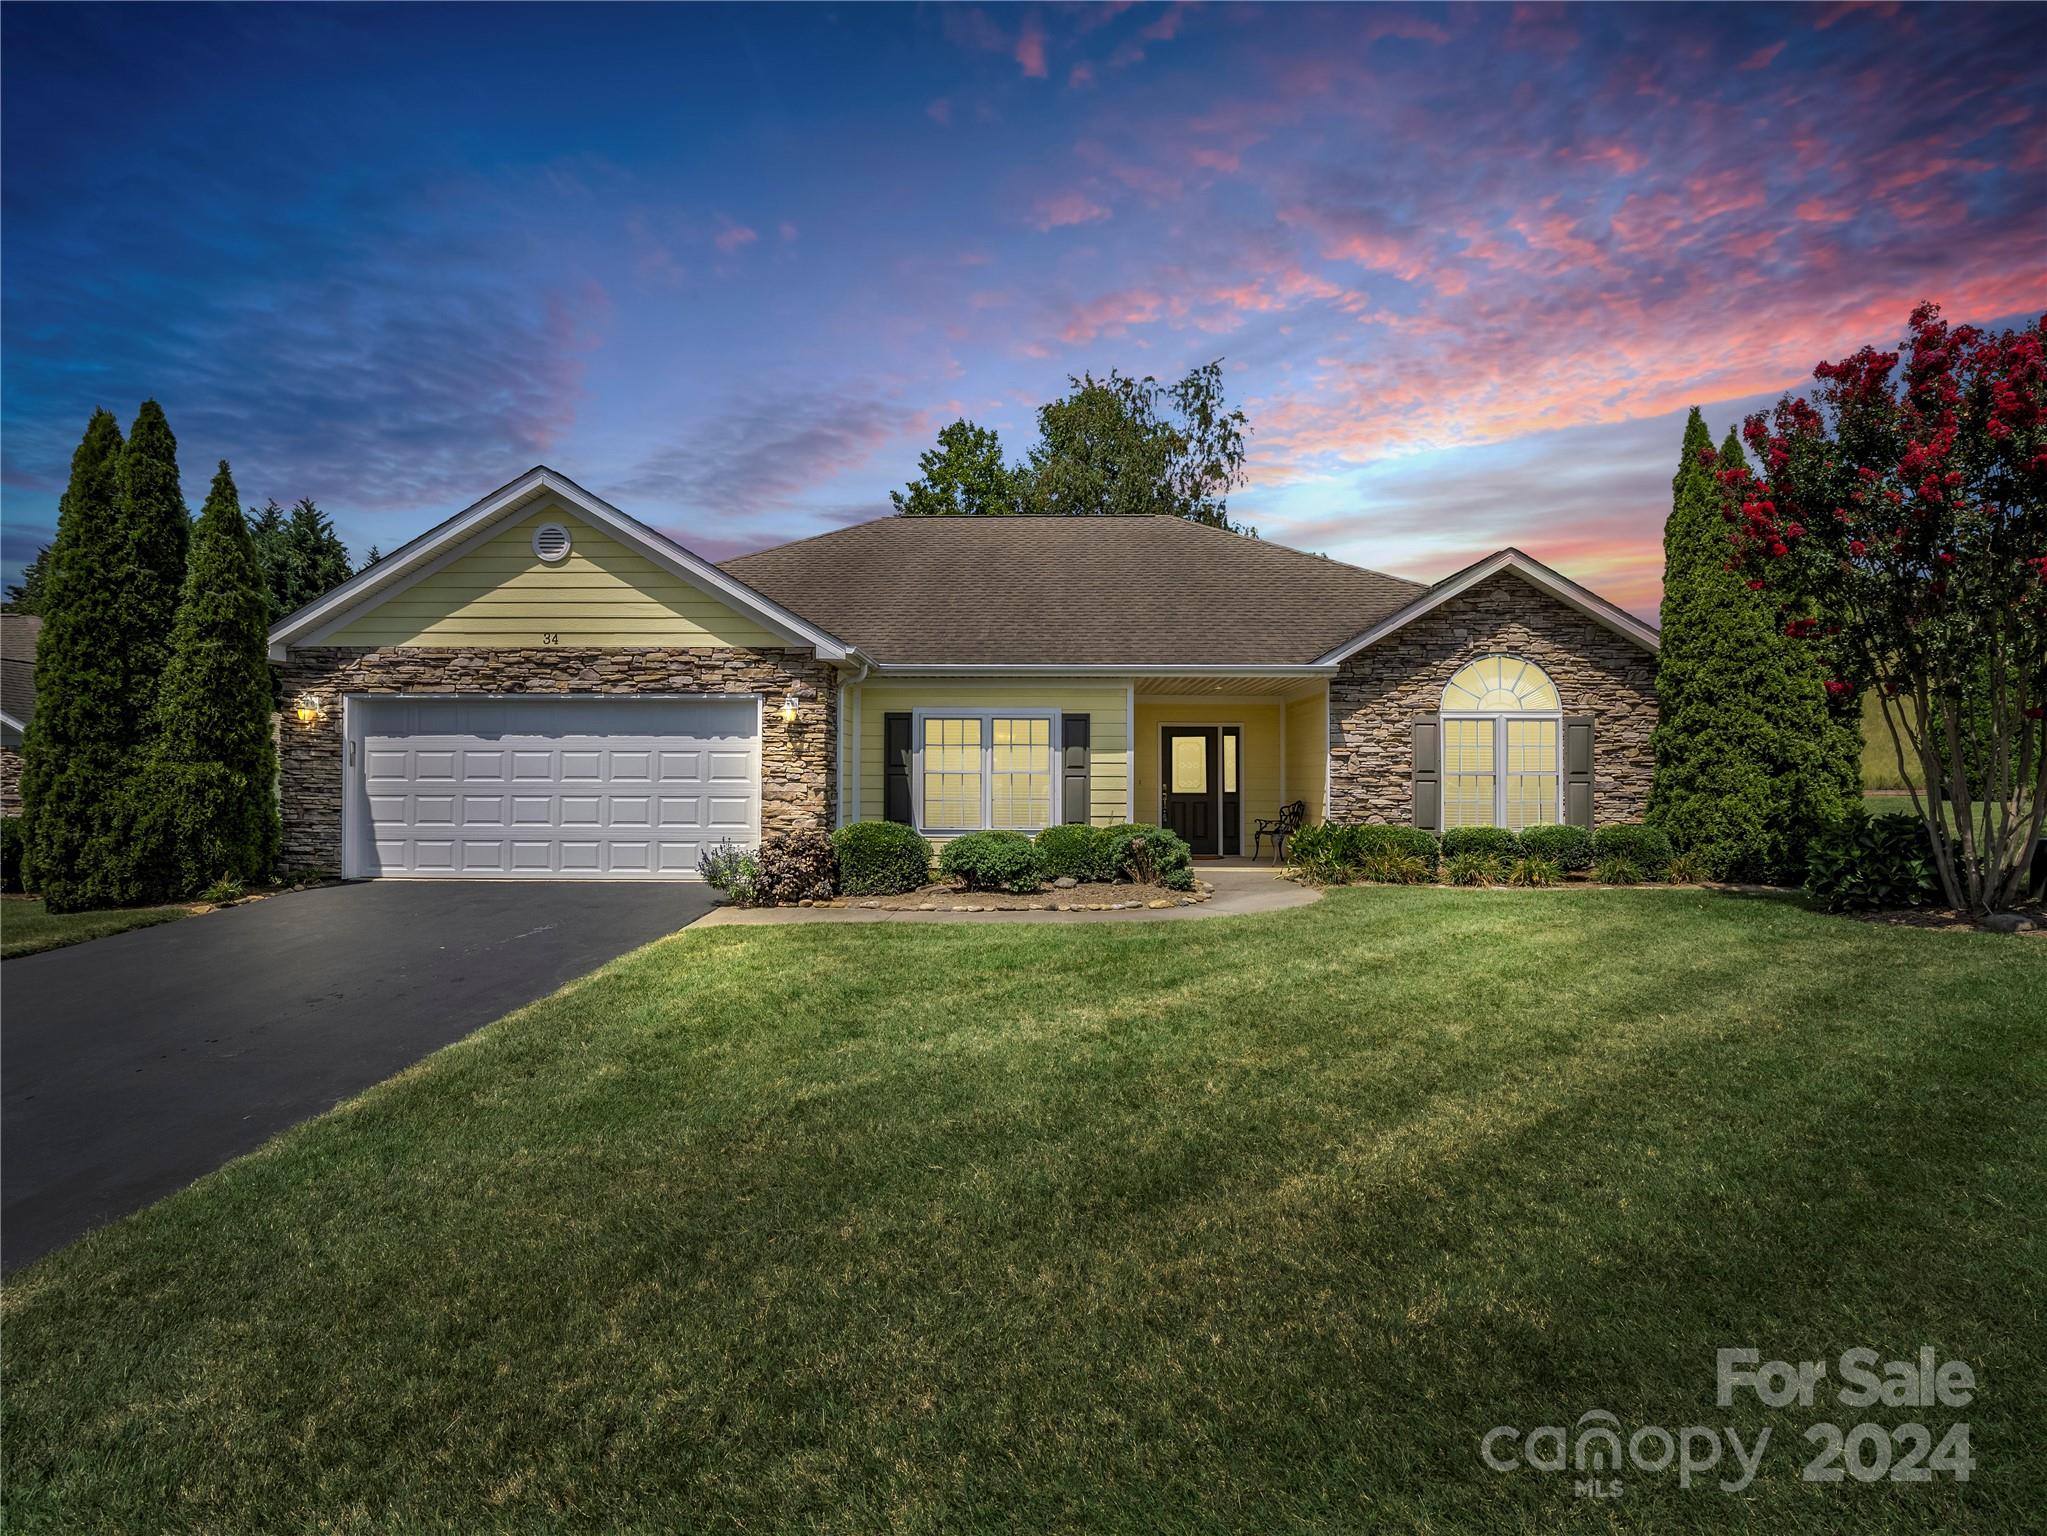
1078,898
1948,919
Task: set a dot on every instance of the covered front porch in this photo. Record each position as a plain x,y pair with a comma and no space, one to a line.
1213,757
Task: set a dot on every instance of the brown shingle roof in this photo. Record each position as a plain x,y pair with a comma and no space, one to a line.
18,633
1070,590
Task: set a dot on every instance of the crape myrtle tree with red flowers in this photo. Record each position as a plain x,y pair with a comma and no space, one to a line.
1900,521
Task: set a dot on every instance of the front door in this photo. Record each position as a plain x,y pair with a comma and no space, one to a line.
1198,776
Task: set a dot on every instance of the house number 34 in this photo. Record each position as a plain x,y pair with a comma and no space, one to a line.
548,637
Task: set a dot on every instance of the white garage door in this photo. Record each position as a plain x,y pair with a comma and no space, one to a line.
549,788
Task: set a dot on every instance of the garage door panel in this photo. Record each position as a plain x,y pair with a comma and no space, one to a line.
570,786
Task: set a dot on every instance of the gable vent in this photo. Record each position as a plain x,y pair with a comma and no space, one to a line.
551,542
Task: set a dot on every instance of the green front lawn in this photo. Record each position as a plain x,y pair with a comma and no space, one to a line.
1250,1224
26,928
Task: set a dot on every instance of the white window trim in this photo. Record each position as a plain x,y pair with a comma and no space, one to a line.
1053,751
1499,717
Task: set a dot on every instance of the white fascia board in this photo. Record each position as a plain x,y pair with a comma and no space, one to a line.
1589,603
1099,669
411,561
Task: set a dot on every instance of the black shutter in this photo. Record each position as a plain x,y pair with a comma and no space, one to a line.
1428,775
895,773
1075,730
1578,770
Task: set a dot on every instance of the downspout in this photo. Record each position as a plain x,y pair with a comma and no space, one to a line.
839,729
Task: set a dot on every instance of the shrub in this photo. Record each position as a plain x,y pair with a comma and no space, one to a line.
1473,868
1318,852
1865,862
224,890
1694,866
732,870
1497,842
1073,851
881,858
1630,842
991,861
1148,855
1618,869
1366,841
1565,846
1392,867
795,866
10,853
1533,870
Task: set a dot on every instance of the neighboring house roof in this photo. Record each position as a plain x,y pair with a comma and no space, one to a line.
439,545
18,632
1080,591
1587,602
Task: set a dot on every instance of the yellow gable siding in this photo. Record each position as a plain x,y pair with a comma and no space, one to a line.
1106,705
502,594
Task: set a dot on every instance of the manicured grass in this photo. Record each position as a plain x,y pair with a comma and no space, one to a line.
1247,1224
25,928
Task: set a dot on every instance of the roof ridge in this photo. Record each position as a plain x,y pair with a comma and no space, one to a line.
1070,517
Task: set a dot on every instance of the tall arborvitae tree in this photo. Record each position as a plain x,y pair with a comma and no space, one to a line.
26,595
1743,743
76,750
158,528
213,785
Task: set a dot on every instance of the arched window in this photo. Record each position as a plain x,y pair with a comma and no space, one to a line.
1502,746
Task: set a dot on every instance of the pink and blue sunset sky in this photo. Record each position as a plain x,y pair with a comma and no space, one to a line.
733,268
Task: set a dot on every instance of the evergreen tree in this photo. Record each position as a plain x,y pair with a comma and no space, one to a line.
213,784
26,595
1747,758
76,751
158,528
316,561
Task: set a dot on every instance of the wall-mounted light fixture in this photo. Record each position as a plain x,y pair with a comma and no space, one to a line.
308,708
789,708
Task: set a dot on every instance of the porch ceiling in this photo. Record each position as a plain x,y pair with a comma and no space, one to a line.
1230,687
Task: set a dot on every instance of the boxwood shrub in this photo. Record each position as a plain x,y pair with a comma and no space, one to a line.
991,861
1565,846
1072,850
1646,849
1138,851
1493,842
881,858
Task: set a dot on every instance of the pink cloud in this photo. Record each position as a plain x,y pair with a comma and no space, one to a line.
1762,57
1111,315
733,237
1066,209
787,230
940,112
1030,49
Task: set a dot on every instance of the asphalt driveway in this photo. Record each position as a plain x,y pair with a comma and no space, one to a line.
131,1065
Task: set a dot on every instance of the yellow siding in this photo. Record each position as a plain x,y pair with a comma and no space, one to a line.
1260,780
1307,753
502,594
1105,703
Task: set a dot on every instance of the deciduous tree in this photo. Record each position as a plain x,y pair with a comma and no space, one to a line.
1899,519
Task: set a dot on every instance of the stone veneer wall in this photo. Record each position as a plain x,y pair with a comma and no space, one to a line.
10,781
1376,698
797,778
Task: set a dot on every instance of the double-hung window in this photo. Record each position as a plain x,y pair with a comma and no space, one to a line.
1502,734
979,769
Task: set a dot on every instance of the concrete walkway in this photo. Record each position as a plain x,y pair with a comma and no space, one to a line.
1239,890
